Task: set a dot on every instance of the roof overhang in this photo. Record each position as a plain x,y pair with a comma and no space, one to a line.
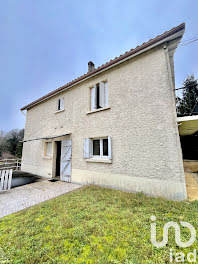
174,33
188,125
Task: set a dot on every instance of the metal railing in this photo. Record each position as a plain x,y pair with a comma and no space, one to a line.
187,100
8,164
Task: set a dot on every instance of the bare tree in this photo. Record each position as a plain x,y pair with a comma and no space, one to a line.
11,142
2,141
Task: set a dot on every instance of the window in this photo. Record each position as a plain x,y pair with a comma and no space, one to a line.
100,147
105,147
97,148
60,104
99,96
48,149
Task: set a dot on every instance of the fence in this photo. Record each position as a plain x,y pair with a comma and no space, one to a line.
8,164
5,179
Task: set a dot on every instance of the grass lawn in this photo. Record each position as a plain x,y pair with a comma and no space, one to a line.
93,225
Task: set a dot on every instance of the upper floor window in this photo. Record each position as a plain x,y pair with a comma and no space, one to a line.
99,95
60,104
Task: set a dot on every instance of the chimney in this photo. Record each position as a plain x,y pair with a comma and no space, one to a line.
91,66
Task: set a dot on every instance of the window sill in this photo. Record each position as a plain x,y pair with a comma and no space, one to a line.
59,111
99,160
47,157
98,110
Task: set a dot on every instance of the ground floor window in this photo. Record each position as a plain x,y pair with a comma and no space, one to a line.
97,148
100,147
48,149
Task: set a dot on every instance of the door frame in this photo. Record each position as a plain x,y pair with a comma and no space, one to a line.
54,153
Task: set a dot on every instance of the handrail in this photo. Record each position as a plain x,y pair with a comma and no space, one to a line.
9,159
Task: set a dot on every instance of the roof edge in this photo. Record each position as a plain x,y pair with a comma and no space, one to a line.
127,55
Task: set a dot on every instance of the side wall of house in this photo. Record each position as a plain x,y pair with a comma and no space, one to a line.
141,121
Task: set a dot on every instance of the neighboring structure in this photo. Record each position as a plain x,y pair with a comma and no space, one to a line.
187,112
115,126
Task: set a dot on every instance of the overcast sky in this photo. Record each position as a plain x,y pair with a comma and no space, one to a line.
46,43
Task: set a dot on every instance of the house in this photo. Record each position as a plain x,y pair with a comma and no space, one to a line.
114,126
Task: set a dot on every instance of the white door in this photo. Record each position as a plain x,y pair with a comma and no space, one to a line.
66,153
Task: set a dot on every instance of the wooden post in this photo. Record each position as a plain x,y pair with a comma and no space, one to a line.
9,179
2,179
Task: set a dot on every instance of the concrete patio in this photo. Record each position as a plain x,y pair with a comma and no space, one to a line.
19,198
192,185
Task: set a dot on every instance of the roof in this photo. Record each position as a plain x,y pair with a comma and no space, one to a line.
127,55
188,125
187,118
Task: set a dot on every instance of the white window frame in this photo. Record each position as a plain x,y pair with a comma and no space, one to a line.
103,96
61,100
101,148
88,148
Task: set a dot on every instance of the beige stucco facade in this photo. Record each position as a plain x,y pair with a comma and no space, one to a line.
141,120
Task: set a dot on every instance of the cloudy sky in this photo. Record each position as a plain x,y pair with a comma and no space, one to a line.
46,43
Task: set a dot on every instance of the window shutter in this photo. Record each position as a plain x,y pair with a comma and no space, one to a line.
61,103
93,98
106,103
86,148
90,148
102,95
109,148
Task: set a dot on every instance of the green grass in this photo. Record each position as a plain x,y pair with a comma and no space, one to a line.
93,225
